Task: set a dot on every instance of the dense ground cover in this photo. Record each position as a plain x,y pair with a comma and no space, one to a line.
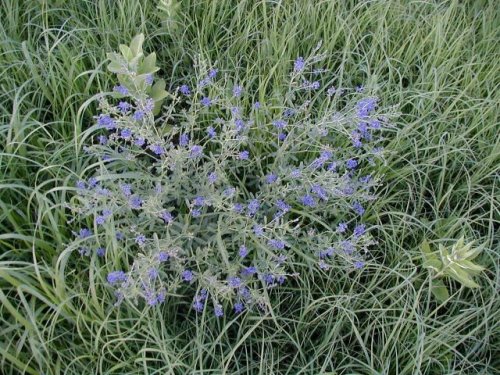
437,61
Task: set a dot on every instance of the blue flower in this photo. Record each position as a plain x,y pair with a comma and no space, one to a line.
84,251
258,230
315,85
85,233
211,132
139,141
282,136
149,105
198,305
126,133
229,192
80,185
268,278
195,212
184,89
199,201
359,264
299,64
271,178
101,251
238,207
234,282
163,256
296,173
218,311
105,121
212,177
135,202
330,91
240,124
347,246
187,275
100,220
126,190
121,89
375,124
103,192
279,124
140,239
204,82
212,73
282,205
237,91
123,106
167,217
342,227
324,156
116,277
276,244
149,79
138,115
308,200
289,112
243,155
351,163
253,206
184,139
359,230
332,167
245,292
239,307
157,149
103,139
243,251
365,179
248,271
358,208
320,192
328,252
283,208
366,106
206,101
153,273
356,140
281,259
256,105
196,151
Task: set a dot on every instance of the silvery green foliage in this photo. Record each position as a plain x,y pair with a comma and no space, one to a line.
218,196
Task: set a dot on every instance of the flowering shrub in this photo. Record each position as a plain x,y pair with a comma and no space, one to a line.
218,195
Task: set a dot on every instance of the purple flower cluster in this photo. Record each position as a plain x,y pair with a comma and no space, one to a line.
250,185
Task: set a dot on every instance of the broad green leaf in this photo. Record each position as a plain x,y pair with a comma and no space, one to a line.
439,291
469,266
426,247
457,273
157,107
148,65
136,45
115,67
126,52
434,264
471,254
444,254
158,93
460,243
